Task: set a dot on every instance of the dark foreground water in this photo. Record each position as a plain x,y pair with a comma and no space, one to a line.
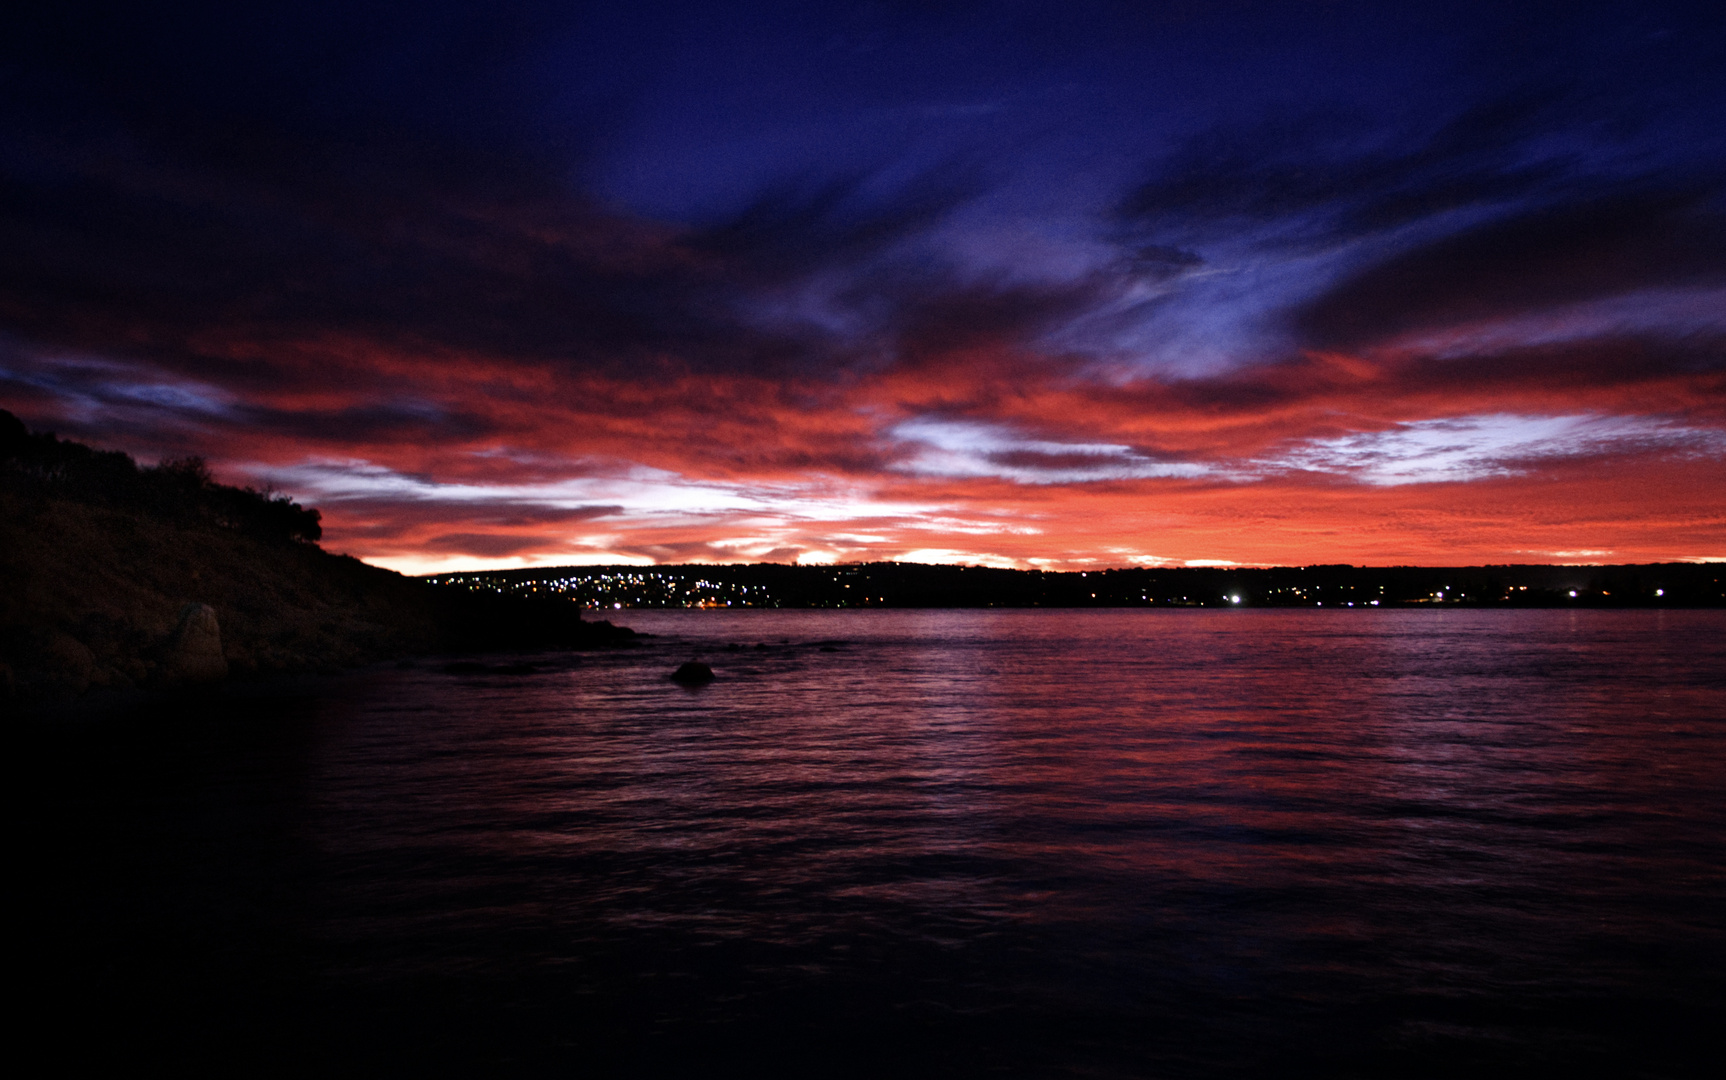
914,843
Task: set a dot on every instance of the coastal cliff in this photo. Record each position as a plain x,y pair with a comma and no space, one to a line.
118,577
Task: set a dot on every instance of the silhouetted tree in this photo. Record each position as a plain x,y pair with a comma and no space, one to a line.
179,489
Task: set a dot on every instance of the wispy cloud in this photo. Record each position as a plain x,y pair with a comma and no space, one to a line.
1472,447
961,449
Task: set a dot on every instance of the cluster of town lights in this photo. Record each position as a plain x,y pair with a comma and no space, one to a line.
620,590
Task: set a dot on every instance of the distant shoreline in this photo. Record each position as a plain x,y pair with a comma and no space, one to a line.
922,585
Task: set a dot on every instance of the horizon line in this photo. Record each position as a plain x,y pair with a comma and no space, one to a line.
1190,566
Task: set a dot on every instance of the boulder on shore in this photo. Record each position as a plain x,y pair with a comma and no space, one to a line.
193,652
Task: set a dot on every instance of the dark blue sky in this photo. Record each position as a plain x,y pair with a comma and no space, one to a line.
467,274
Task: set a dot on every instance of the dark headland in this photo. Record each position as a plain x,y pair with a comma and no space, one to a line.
121,578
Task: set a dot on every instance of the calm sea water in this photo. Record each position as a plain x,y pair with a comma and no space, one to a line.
1101,843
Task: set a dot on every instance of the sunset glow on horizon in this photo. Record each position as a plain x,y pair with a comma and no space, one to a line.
1064,287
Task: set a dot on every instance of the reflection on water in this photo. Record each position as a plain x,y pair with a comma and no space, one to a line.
1016,843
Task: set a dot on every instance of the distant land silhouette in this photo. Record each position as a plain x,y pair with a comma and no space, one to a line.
119,578
914,585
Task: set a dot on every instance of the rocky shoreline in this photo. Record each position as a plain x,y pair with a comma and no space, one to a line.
119,578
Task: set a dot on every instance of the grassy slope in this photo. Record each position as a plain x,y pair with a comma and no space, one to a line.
92,592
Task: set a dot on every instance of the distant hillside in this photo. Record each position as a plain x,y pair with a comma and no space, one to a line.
914,585
117,576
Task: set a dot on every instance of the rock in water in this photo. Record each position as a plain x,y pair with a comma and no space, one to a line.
193,653
693,673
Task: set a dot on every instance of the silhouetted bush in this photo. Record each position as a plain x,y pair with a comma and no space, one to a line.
177,489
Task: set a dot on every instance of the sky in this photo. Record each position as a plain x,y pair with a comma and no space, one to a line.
1056,285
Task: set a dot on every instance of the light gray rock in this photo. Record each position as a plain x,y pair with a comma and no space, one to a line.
193,652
